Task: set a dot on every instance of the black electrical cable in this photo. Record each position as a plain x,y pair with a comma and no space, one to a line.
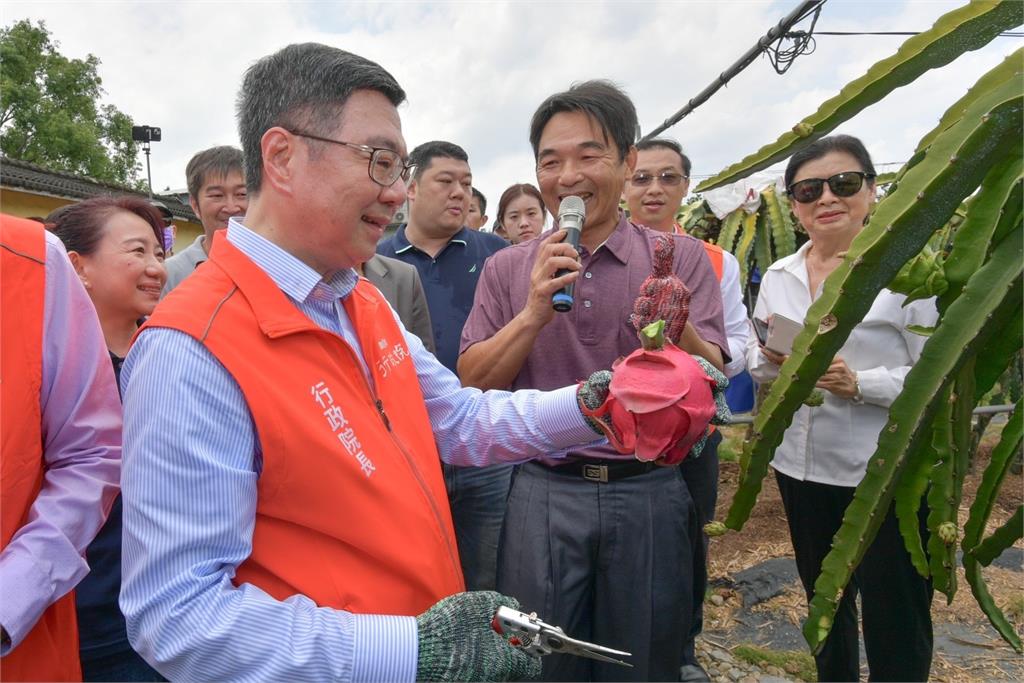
781,57
1004,34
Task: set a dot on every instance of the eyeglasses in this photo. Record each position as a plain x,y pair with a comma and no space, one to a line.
668,179
385,167
842,185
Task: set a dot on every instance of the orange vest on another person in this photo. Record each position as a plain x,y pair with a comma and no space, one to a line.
50,650
713,251
352,510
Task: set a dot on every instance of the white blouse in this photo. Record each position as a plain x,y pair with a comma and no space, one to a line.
831,444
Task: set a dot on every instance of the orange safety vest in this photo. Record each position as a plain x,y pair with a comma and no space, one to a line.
713,251
352,510
50,650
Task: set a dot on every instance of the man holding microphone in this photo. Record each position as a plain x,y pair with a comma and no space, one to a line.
600,543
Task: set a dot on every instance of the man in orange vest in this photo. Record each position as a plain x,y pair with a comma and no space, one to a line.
60,450
285,515
654,193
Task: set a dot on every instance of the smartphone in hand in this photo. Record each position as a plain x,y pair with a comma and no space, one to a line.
761,330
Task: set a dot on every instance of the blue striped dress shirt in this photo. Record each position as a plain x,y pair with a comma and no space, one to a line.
191,465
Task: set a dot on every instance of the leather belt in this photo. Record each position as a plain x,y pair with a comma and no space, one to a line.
604,471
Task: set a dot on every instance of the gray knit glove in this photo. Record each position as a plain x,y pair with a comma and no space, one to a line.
591,395
457,643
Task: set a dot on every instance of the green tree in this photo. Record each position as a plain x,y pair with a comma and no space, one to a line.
50,114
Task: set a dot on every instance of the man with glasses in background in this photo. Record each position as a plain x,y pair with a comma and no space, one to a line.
285,516
654,193
450,257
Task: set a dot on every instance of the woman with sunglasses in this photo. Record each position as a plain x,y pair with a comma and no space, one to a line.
825,451
116,245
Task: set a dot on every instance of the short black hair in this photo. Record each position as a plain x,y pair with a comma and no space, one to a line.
424,154
833,143
667,143
214,162
482,199
302,85
601,100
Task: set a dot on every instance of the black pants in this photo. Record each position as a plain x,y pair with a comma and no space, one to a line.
610,563
895,599
701,477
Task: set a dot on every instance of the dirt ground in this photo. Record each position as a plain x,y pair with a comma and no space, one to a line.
980,654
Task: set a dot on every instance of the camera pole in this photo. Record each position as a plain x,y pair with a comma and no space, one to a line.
149,176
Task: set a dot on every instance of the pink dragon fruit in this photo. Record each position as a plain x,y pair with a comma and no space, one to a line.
660,398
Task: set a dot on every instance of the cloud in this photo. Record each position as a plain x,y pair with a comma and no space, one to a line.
476,71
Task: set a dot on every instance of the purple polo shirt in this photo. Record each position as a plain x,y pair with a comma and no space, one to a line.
597,330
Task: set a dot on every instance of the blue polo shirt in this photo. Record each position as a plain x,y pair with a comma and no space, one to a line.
449,281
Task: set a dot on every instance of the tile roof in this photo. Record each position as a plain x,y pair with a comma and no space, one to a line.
21,175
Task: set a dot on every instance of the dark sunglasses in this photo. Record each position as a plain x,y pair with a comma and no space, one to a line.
667,179
844,184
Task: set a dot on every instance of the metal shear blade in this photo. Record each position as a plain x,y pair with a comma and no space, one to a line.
557,641
538,638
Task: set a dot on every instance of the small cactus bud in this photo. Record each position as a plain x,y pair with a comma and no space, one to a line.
803,129
715,528
948,533
815,399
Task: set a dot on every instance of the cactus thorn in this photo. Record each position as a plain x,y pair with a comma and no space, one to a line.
893,428
920,195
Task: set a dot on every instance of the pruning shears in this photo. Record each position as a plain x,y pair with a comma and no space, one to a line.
537,638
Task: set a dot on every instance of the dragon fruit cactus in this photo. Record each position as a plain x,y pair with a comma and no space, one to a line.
660,398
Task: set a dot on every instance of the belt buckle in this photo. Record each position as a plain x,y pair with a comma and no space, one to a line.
598,473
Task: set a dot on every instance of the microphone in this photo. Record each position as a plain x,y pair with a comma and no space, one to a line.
571,214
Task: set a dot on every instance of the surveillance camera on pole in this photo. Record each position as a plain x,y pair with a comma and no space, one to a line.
146,135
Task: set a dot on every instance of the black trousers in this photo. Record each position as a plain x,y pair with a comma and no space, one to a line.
610,563
701,477
895,599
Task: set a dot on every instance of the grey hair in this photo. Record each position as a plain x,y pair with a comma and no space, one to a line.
304,84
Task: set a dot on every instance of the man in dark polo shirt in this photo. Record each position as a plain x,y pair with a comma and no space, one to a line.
450,257
605,546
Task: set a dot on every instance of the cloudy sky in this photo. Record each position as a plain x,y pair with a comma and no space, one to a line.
475,71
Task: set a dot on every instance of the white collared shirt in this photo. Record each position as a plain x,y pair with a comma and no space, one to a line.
831,444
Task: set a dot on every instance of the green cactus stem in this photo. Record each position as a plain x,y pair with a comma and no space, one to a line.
1010,68
742,252
941,511
967,28
993,291
999,192
972,572
910,490
1004,347
730,228
762,242
902,224
1002,538
992,479
780,221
